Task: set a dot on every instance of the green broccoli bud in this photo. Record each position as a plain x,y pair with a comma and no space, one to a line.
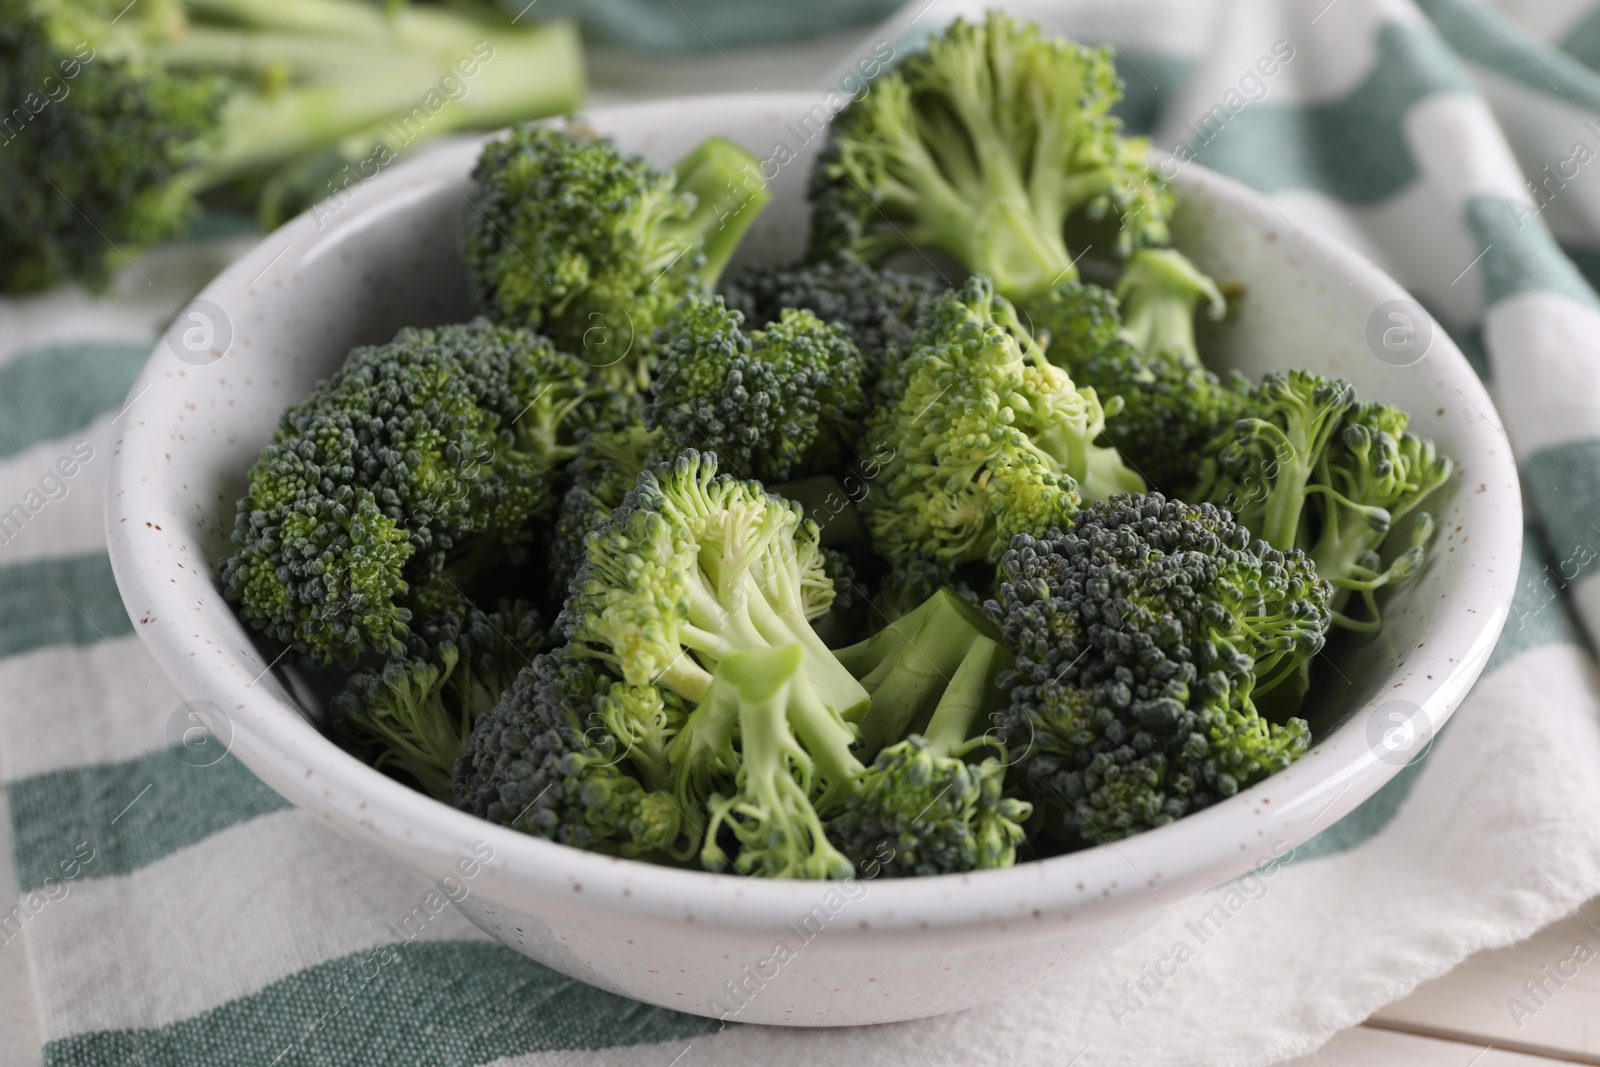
780,401
595,248
543,761
694,566
411,470
417,711
1313,468
1145,632
988,438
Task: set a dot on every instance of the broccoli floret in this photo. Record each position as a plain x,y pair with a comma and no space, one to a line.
911,580
567,234
694,566
920,808
982,146
417,711
1145,633
398,480
544,760
775,402
878,308
1171,405
117,115
793,755
988,438
774,766
1310,467
607,465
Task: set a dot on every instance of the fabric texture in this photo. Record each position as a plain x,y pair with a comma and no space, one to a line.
176,914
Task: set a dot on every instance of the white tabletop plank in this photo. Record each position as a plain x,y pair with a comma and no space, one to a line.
1367,1047
1541,995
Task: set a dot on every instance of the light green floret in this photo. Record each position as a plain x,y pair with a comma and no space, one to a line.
989,439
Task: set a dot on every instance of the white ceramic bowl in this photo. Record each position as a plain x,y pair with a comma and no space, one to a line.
862,952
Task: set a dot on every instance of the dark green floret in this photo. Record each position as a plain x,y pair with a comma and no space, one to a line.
983,146
397,481
1310,467
545,760
1145,634
596,248
774,403
878,308
607,465
417,711
114,117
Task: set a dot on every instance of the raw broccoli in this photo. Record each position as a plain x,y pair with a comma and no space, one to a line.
694,566
567,234
781,401
547,760
116,115
398,480
793,784
1145,633
1172,406
920,808
877,307
607,465
988,438
983,146
907,665
417,711
1310,467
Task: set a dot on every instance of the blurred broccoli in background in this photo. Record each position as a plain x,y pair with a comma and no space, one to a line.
118,115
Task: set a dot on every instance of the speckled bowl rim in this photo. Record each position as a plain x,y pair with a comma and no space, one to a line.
150,541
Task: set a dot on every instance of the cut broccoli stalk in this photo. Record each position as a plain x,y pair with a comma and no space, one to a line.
729,192
908,667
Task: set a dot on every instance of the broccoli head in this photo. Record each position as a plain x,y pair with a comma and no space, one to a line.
1311,467
417,711
567,234
988,438
695,565
982,146
878,308
398,480
544,760
1171,405
1145,632
773,403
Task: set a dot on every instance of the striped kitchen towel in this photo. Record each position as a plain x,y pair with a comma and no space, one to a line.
173,911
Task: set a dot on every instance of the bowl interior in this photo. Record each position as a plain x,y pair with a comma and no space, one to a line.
386,255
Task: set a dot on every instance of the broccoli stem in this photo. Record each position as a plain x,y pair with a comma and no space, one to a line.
366,86
780,829
970,693
1159,291
729,193
910,664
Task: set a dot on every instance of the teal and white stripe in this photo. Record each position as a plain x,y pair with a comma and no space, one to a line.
175,915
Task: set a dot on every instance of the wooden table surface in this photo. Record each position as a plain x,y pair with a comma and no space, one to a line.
1482,1014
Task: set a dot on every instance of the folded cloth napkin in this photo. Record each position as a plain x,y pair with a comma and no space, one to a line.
175,911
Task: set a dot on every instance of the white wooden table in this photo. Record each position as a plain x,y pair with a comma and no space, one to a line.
1459,1020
